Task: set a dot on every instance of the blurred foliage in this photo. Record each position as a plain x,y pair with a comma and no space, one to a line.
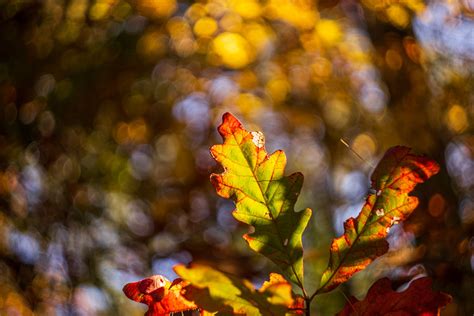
108,108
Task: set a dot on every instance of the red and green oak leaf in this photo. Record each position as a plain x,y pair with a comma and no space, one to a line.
225,294
364,237
418,299
263,195
161,296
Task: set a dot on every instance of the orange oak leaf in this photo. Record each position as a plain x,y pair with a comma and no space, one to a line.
263,195
161,296
363,240
417,300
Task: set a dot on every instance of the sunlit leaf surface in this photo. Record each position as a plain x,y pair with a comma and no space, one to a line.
263,195
363,240
215,291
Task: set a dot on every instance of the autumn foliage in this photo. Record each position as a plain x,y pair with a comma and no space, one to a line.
397,174
265,198
161,296
417,299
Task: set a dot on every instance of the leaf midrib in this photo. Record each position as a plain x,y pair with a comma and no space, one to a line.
273,220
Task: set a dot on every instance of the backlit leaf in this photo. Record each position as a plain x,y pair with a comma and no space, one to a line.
363,240
161,296
417,299
264,197
215,291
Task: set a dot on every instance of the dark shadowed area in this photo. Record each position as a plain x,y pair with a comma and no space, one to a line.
108,109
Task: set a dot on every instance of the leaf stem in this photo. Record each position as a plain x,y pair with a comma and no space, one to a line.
307,306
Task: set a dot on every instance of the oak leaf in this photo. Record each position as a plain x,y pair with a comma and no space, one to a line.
263,195
363,240
216,291
161,296
417,299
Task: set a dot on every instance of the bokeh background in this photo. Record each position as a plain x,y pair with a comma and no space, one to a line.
108,109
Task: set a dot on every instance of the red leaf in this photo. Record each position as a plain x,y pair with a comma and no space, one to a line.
161,296
417,300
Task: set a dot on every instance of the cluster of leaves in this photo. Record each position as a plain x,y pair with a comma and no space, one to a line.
106,108
265,200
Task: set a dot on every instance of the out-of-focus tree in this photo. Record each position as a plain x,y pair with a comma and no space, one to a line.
108,108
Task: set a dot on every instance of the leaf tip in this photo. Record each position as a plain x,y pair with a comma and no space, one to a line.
308,212
131,290
229,124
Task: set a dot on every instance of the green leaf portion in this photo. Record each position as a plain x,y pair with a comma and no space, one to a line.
363,240
264,197
215,291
